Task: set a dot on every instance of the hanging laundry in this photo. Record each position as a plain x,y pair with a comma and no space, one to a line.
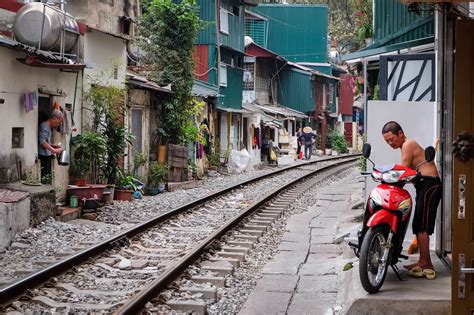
30,101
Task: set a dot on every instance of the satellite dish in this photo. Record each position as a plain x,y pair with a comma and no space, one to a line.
248,40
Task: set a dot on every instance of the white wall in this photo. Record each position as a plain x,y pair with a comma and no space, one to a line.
417,119
15,80
101,53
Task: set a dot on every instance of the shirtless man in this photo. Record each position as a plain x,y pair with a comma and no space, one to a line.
428,194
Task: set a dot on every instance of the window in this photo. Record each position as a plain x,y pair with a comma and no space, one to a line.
248,76
235,10
223,75
18,135
224,25
324,97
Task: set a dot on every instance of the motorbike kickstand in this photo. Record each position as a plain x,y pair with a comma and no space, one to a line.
396,270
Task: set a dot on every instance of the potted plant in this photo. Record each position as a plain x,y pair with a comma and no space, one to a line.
78,170
157,176
125,188
328,149
90,150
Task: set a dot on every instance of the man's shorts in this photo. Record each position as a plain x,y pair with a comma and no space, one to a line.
428,194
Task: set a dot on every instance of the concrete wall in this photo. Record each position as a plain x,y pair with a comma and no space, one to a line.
14,218
102,54
103,14
15,80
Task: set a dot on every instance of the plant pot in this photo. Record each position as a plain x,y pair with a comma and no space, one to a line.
91,203
162,187
162,153
369,41
153,191
81,182
123,195
328,151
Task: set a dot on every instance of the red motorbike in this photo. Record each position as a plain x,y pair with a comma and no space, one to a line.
386,219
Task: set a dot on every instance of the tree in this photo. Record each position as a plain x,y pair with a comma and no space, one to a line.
167,32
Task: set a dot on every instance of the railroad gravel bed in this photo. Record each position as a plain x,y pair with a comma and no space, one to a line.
228,206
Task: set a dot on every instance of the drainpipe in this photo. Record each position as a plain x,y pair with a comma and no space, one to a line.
271,81
218,41
365,95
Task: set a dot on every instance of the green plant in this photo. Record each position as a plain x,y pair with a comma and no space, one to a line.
337,141
47,179
157,174
90,151
125,181
363,19
362,162
167,32
376,95
31,179
138,160
108,110
214,157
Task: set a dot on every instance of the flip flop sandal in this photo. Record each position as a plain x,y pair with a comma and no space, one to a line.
416,272
429,274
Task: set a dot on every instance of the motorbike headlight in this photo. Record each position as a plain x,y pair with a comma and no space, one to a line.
376,175
392,176
376,197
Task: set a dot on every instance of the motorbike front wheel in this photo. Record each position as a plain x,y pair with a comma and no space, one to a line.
372,265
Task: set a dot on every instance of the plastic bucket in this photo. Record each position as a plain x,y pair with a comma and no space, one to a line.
73,202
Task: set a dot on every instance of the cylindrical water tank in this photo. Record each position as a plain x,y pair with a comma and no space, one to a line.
27,27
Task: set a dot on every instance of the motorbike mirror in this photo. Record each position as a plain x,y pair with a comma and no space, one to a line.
366,150
429,154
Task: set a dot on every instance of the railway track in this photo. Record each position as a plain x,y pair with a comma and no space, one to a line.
130,269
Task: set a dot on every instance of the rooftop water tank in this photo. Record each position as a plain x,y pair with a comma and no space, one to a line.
27,27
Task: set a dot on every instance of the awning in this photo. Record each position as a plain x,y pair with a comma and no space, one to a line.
232,110
203,89
375,50
144,83
253,109
280,110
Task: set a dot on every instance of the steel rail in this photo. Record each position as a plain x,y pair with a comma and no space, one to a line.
136,304
15,289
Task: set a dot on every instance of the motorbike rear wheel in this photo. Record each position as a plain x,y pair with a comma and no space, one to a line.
372,268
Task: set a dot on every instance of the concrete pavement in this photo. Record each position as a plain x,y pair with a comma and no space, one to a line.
306,277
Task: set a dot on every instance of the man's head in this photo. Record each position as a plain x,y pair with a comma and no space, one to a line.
56,119
393,134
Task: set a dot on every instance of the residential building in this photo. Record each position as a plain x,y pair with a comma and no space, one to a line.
219,59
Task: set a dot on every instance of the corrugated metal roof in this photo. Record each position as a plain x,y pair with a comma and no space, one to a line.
203,89
280,110
387,49
297,32
147,84
392,20
312,71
